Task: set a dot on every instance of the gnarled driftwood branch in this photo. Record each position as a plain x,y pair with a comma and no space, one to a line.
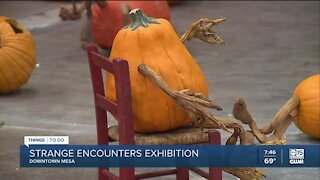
201,29
195,104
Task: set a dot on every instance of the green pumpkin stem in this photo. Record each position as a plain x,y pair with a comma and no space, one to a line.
140,19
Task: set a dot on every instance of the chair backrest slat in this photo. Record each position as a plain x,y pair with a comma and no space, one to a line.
101,62
107,105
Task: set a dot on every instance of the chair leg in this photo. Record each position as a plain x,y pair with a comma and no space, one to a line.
182,174
101,176
215,174
215,139
126,174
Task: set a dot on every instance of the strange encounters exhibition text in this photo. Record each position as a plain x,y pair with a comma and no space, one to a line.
113,153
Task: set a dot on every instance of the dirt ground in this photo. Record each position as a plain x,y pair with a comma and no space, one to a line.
271,47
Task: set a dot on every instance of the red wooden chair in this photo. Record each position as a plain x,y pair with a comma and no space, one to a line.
123,109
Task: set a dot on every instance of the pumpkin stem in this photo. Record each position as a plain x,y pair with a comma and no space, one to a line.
140,19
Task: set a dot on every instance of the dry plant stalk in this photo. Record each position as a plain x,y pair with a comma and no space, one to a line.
245,173
201,29
195,104
74,12
278,125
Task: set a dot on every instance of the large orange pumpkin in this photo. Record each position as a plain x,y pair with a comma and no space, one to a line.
308,92
107,21
17,55
155,43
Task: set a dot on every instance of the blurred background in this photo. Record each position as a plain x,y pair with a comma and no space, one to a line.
270,47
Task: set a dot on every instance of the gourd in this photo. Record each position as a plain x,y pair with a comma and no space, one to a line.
17,55
107,21
155,43
308,92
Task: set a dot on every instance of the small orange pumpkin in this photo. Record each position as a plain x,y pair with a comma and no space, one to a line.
308,92
107,21
17,55
155,43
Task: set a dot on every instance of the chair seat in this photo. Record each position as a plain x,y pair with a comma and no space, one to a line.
185,135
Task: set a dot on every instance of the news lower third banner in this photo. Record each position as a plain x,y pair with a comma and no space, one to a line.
169,156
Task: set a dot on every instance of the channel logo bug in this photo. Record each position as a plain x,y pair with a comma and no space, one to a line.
296,156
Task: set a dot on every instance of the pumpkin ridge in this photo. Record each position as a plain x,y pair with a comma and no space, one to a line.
168,102
163,46
122,35
20,40
145,83
178,72
145,59
195,70
8,84
307,99
15,61
139,45
179,69
150,85
110,89
142,55
3,77
307,113
124,50
4,36
6,30
169,110
24,53
12,38
24,72
138,123
309,107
